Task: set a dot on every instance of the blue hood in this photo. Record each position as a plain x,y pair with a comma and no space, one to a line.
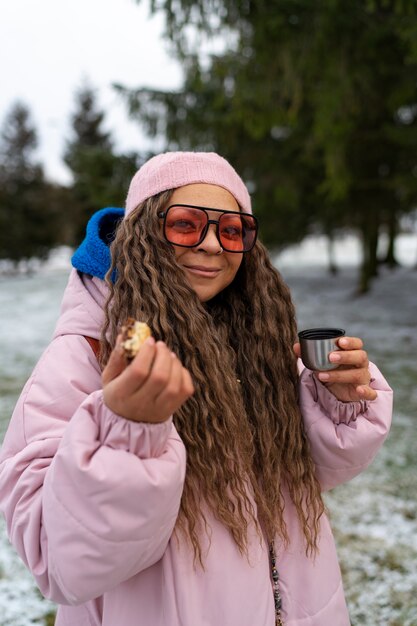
93,254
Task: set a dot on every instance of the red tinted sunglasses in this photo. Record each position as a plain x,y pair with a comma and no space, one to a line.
186,225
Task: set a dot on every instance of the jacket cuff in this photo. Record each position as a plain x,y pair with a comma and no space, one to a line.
143,439
339,412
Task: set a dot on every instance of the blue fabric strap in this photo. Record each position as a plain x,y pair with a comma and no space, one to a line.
93,254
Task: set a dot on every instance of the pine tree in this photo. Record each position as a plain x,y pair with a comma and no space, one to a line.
28,224
100,177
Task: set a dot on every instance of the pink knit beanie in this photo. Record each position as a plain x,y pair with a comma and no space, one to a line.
176,169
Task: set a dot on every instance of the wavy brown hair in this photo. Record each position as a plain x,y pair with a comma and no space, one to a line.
242,428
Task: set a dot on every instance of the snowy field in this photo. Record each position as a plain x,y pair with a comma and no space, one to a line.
374,517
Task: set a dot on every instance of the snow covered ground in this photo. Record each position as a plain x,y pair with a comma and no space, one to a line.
374,517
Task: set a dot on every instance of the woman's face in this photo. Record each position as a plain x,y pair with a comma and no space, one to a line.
207,268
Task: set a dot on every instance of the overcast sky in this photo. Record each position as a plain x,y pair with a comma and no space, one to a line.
49,47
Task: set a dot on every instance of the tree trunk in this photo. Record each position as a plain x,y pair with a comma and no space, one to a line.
369,267
390,259
364,278
373,248
333,269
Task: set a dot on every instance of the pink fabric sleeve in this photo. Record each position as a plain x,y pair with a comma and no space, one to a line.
90,498
344,436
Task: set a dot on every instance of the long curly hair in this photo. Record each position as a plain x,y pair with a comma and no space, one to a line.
242,428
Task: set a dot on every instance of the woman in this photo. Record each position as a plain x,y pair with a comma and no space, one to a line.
128,516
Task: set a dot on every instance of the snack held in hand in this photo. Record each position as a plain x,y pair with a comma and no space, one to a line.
134,335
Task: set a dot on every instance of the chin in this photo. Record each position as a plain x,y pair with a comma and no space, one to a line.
205,297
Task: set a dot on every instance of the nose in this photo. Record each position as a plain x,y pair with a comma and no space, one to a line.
210,242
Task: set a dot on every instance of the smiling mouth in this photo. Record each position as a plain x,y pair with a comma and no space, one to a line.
199,270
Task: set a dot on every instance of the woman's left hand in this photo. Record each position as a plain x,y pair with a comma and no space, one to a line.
350,381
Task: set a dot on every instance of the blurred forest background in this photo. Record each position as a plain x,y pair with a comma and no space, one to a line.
314,103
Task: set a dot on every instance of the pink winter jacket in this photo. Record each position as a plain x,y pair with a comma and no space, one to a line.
91,500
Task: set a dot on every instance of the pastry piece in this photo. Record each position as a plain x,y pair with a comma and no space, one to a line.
134,334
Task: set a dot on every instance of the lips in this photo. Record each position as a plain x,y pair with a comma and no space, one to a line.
201,270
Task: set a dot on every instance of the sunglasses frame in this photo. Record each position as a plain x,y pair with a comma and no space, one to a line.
163,214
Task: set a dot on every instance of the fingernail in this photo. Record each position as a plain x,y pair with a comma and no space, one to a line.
173,355
334,357
343,342
323,376
150,341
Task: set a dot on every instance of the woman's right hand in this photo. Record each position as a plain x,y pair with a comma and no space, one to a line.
150,388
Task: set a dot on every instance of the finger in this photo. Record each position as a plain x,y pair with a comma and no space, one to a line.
177,390
116,363
349,376
171,394
350,343
186,390
160,371
366,393
138,371
297,349
357,358
188,384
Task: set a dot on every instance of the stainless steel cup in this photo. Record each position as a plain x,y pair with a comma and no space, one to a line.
316,345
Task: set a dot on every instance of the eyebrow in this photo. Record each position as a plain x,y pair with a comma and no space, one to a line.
205,208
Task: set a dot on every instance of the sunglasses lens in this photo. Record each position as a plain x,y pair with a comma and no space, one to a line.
186,226
237,232
183,226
